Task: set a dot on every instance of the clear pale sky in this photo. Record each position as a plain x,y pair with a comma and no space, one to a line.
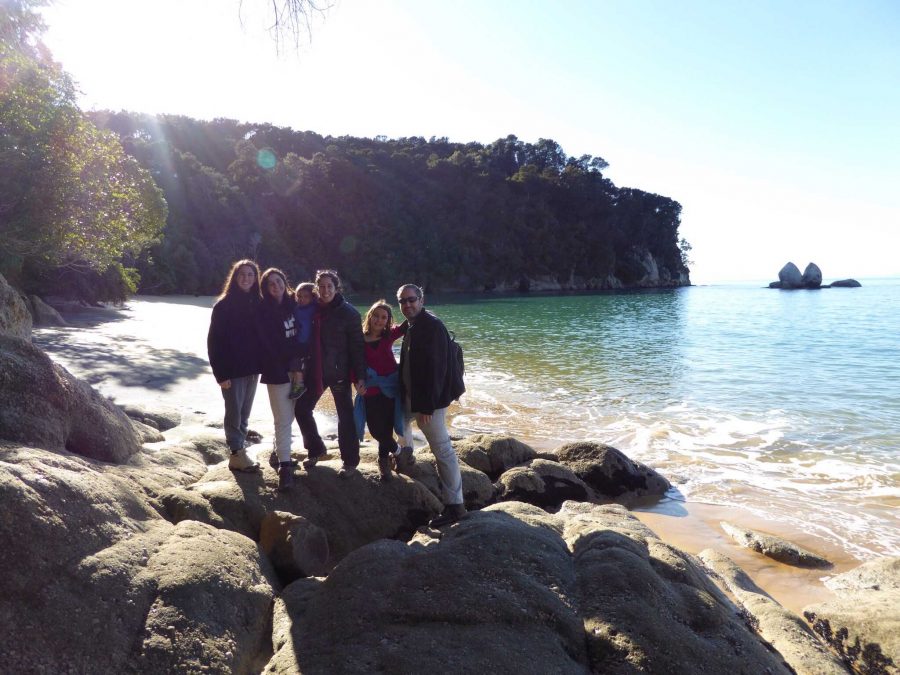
776,125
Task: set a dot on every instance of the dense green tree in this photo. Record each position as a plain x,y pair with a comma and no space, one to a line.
72,202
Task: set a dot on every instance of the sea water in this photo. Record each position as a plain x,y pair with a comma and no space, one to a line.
785,404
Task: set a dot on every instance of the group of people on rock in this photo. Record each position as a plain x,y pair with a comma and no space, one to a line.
300,342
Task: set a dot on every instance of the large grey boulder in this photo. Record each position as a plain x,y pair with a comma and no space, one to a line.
296,547
478,491
863,622
15,319
845,283
784,630
43,314
774,547
543,483
493,453
158,418
42,404
611,473
812,276
95,580
513,589
789,276
353,512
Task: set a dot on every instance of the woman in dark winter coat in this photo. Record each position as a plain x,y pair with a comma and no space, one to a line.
278,332
337,351
233,347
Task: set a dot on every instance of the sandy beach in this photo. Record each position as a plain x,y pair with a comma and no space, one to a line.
157,358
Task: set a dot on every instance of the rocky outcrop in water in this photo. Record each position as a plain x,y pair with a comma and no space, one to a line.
789,278
774,547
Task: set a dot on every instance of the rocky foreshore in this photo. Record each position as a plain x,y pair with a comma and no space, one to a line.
128,546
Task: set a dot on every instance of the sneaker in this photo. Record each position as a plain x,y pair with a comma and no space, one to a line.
285,477
452,513
348,471
312,460
404,460
253,437
385,464
297,391
240,461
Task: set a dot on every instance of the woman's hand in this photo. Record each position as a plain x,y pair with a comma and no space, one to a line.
422,418
361,387
225,384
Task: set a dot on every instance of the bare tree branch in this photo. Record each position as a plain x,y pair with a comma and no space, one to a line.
291,21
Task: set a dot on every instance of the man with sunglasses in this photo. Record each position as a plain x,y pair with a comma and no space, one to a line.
427,388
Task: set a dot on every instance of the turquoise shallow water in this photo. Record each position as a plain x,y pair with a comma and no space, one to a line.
785,403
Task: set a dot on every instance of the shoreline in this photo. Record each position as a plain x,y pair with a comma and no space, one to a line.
180,380
694,526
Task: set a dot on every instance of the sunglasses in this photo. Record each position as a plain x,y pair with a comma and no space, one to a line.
409,300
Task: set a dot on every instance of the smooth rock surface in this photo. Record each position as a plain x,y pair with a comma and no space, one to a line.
784,630
812,276
96,581
863,622
610,472
296,547
42,404
790,277
542,483
478,491
15,319
774,547
513,589
845,283
493,453
43,314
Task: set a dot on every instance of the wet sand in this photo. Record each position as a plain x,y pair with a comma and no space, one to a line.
134,359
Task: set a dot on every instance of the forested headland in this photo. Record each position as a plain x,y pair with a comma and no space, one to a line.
103,204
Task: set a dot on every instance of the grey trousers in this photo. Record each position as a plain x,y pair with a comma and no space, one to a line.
444,454
238,404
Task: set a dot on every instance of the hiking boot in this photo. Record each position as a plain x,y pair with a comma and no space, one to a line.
404,460
384,467
285,477
240,461
451,514
297,391
348,471
312,460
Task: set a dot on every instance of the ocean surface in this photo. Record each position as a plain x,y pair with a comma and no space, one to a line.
785,404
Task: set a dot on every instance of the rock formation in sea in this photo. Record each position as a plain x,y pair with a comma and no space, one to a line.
123,556
789,278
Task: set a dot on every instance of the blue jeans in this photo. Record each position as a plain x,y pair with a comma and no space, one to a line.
238,403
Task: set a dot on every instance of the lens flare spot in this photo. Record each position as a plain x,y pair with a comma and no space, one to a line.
266,159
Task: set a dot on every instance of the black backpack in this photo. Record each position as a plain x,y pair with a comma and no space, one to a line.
457,368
